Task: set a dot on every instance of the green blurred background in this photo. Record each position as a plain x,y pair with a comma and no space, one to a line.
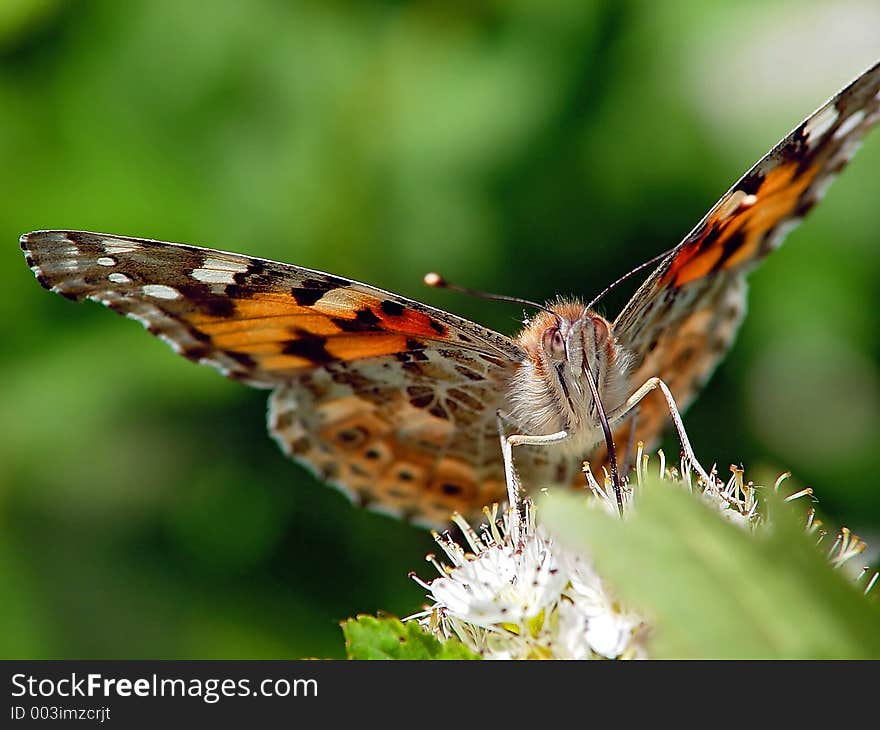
529,147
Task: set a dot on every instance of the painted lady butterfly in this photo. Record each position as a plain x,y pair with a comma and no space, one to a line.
395,401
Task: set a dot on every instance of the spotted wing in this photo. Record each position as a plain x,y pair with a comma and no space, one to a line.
390,399
406,435
253,319
683,319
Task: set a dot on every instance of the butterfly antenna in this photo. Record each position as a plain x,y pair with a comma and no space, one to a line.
438,282
646,264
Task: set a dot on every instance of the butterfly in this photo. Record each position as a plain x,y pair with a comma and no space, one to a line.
397,403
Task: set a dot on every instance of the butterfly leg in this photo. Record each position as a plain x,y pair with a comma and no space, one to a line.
507,444
637,397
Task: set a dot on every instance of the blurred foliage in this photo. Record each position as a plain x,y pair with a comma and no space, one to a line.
713,590
530,147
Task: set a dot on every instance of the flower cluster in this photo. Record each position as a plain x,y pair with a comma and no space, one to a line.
512,592
525,598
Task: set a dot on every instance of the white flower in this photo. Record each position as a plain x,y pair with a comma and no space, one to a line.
504,583
525,597
514,593
609,629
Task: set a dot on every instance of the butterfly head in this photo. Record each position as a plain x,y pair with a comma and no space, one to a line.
566,345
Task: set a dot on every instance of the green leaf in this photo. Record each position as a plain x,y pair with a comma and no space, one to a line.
713,590
369,637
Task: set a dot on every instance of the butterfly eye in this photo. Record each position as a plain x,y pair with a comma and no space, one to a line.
554,342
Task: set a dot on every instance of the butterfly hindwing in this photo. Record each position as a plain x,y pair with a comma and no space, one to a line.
412,434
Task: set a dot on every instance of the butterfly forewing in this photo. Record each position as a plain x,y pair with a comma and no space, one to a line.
683,319
390,399
253,319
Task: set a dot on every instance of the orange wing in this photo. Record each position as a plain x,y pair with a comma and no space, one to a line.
683,319
390,400
254,320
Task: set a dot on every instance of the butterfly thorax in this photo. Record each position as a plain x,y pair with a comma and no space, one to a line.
550,391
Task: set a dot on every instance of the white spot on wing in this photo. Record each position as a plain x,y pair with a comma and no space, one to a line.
850,123
172,343
112,247
820,186
212,276
160,291
821,122
849,147
732,204
780,232
218,271
107,261
118,278
235,266
137,318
